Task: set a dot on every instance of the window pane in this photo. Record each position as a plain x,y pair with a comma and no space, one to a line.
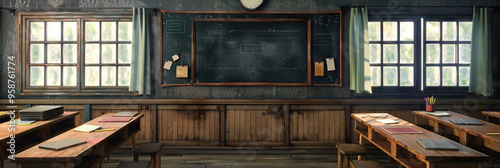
108,31
432,76
53,76
406,31
432,53
465,31
108,53
108,76
91,53
449,31
53,31
374,31
37,53
69,76
448,53
125,31
53,53
464,53
374,53
92,76
69,33
375,75
124,76
390,31
69,53
406,53
449,76
390,76
37,31
464,76
432,31
406,76
91,31
125,52
390,53
37,75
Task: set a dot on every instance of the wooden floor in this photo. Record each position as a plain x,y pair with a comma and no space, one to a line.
246,161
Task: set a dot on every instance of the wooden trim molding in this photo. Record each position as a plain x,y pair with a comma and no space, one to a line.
494,102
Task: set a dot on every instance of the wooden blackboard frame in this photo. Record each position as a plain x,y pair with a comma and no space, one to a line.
217,14
193,51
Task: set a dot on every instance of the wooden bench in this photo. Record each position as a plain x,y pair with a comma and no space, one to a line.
492,116
152,149
365,164
345,151
133,165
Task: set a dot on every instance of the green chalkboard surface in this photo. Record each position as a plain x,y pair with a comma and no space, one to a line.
251,48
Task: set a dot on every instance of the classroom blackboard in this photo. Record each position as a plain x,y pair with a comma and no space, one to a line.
251,48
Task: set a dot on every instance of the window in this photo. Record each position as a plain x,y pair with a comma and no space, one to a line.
447,53
420,54
392,53
77,54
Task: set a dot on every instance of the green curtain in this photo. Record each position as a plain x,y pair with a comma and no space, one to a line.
140,78
359,55
480,65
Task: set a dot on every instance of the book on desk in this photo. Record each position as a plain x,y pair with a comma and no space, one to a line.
126,114
465,121
63,144
401,130
435,144
439,114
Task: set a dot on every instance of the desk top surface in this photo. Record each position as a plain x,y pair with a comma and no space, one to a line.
476,130
24,129
495,114
74,153
409,141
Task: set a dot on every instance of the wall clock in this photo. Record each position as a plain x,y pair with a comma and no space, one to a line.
251,5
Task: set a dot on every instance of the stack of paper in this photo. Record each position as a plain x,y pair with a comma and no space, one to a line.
87,128
19,122
388,121
126,114
401,130
115,119
378,115
439,114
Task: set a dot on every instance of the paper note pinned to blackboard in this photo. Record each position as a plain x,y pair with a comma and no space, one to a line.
167,65
182,71
319,68
175,57
330,64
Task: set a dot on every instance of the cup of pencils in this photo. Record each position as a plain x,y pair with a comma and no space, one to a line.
429,103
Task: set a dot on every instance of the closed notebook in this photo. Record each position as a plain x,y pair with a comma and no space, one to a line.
401,130
434,144
115,119
87,128
465,121
388,121
378,115
439,114
63,144
125,114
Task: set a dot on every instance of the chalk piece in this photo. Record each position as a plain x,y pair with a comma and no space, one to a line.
175,57
319,68
182,71
330,64
167,65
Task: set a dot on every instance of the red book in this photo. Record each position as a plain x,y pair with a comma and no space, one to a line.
401,130
115,119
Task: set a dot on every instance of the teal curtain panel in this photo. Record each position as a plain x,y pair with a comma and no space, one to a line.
141,63
359,51
480,66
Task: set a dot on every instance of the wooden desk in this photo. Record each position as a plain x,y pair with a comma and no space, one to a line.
29,135
405,149
470,135
90,154
492,116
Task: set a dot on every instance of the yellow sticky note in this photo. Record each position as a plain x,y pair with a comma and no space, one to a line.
182,71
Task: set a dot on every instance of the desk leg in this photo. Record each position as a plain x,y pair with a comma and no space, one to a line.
133,142
1,163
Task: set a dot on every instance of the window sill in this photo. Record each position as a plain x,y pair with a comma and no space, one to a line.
35,93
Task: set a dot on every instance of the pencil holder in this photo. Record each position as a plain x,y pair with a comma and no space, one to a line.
429,107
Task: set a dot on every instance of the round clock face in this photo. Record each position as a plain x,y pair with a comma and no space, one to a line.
251,4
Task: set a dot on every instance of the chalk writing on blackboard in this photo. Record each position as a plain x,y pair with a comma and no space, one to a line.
176,26
323,39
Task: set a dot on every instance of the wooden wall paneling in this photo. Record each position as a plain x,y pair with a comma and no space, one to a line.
286,124
317,127
154,123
